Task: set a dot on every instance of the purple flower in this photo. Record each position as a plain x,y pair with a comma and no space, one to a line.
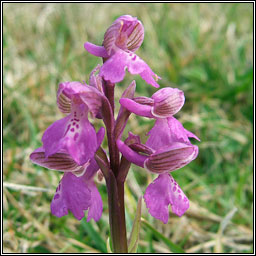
171,149
74,133
168,148
168,139
164,103
69,145
121,40
76,191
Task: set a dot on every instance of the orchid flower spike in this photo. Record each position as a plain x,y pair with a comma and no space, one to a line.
121,40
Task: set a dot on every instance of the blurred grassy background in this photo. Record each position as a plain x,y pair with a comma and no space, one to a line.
204,49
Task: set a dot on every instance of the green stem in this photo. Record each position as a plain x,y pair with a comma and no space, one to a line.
115,187
116,214
109,90
120,187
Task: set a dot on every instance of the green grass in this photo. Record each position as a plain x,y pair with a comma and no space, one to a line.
204,49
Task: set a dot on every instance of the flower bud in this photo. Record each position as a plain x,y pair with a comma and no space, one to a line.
95,80
126,33
167,102
133,141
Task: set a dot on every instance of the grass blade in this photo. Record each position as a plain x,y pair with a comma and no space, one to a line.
134,237
173,247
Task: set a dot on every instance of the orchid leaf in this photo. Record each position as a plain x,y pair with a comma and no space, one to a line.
134,237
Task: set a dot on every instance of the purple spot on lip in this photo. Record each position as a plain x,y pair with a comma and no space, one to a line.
67,130
76,135
179,197
72,130
134,58
178,191
56,196
77,126
185,199
174,189
74,123
76,119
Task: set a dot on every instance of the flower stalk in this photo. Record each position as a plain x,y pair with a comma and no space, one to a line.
116,214
115,187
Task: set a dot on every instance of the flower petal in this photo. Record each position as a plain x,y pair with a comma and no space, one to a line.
167,131
160,135
96,50
96,80
113,69
136,108
81,140
91,170
126,33
172,158
131,155
52,137
75,92
164,191
100,136
71,194
96,207
178,200
191,135
133,141
63,101
179,132
73,133
60,161
167,102
157,198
